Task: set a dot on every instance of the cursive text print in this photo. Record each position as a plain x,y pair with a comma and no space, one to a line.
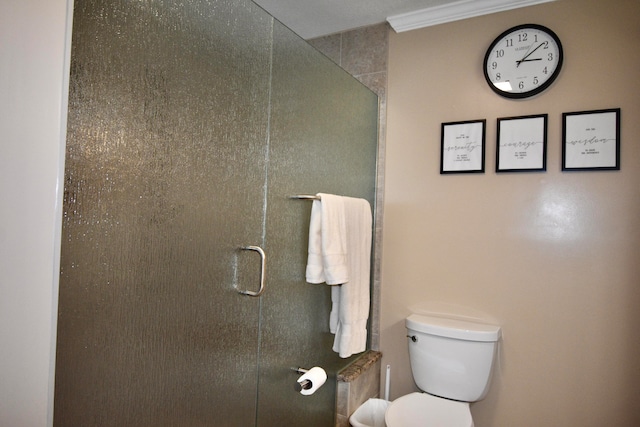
525,145
467,146
590,141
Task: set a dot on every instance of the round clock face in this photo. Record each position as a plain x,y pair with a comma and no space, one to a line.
523,61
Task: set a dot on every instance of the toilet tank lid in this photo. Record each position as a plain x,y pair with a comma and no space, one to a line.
453,328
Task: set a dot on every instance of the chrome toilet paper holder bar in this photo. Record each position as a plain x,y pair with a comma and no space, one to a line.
310,380
305,384
305,197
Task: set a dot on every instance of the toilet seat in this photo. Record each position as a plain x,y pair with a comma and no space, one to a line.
424,410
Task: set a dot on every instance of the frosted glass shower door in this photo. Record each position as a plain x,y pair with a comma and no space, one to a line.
190,124
165,172
323,139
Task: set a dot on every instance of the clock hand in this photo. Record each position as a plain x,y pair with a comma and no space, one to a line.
527,55
529,60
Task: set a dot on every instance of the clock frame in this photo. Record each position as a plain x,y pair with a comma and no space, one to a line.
523,61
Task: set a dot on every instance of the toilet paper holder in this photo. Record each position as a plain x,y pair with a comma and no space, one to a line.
310,380
305,384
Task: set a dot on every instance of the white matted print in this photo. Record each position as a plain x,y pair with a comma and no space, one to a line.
591,140
462,148
522,144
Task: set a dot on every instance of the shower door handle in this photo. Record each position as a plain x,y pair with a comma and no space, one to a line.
263,260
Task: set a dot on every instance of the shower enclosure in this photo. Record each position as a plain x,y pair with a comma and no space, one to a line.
190,125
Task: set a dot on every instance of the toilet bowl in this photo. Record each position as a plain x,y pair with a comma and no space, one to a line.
424,410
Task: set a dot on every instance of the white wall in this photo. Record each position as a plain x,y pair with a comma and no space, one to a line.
33,93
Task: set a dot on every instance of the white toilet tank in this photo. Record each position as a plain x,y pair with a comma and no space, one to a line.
452,358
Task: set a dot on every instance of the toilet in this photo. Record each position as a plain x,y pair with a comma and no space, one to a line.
451,361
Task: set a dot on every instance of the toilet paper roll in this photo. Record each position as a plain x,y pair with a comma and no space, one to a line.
316,376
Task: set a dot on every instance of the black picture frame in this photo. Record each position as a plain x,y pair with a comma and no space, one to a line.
522,144
591,140
463,147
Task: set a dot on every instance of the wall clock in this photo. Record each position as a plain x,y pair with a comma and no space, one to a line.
523,61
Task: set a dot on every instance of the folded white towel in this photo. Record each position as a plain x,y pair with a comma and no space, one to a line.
352,298
327,261
339,254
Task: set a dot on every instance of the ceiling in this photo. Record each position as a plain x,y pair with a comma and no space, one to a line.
315,18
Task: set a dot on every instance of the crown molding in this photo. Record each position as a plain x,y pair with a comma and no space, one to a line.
456,11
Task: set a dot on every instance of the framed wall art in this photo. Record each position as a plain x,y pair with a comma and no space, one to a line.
591,140
463,147
522,144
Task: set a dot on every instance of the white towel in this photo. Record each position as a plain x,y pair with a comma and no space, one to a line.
327,261
340,253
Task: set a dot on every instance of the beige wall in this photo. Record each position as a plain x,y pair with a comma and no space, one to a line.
553,257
